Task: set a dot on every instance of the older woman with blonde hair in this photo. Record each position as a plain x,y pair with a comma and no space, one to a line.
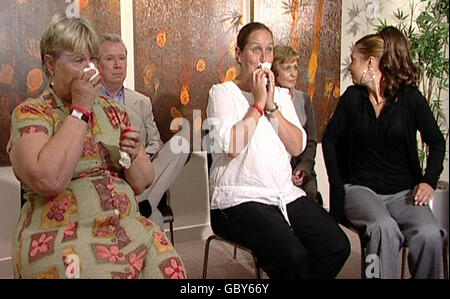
80,216
285,69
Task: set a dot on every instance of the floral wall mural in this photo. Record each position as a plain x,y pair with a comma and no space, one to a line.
22,23
313,27
183,47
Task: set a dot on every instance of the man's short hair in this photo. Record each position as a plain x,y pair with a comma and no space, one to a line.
113,38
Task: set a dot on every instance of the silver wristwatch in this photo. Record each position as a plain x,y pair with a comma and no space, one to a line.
80,115
271,111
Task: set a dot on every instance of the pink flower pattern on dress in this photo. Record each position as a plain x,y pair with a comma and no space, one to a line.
116,116
112,254
172,268
90,147
122,237
33,129
58,207
159,236
145,221
109,199
70,233
137,262
106,227
42,244
50,100
27,108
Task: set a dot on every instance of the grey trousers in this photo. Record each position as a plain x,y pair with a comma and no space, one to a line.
392,220
168,166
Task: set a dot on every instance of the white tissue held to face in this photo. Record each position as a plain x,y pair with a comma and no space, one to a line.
92,67
266,65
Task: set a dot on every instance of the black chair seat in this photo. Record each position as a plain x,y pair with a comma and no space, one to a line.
167,213
146,210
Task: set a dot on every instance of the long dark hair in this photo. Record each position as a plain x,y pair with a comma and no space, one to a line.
396,64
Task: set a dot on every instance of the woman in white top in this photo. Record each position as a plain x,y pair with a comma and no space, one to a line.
254,133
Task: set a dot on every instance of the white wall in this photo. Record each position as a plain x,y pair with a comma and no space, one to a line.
9,214
189,199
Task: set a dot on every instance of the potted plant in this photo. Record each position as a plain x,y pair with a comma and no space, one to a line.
428,34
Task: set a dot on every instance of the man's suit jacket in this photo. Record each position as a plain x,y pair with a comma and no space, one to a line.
140,111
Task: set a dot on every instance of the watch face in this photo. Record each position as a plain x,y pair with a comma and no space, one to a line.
76,113
80,115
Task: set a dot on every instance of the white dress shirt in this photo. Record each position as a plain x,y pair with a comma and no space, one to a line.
262,171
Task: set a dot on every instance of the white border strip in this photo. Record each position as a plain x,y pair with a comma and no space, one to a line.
245,11
5,259
127,32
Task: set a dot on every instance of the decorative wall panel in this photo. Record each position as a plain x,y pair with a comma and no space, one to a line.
182,48
313,27
22,23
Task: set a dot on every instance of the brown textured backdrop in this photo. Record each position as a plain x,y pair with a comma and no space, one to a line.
22,23
183,47
313,27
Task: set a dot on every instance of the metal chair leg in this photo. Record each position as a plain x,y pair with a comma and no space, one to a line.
207,245
205,260
171,232
444,258
402,273
257,268
363,258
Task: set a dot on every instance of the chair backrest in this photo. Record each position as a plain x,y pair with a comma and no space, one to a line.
164,201
22,195
208,151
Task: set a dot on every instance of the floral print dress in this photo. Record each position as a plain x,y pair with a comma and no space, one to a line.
93,229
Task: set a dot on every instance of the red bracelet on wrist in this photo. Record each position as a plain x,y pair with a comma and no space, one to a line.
81,109
256,106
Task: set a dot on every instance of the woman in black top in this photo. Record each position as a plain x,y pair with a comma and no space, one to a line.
370,152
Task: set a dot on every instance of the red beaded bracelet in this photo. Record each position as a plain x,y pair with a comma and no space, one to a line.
81,109
256,106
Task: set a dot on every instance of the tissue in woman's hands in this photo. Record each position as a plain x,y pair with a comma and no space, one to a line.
92,67
266,65
125,160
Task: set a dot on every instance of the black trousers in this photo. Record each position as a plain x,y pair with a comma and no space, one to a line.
314,247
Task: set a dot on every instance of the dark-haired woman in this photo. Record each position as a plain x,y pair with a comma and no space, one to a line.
370,152
254,202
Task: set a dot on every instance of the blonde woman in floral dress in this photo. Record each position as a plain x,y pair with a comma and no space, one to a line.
80,218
